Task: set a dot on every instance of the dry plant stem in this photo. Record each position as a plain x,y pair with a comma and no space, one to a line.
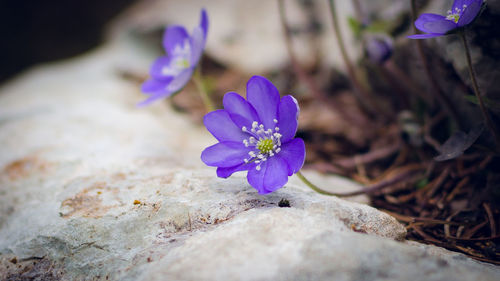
402,78
425,235
491,218
358,11
202,90
484,111
360,93
367,190
475,239
360,16
306,79
441,97
410,219
400,93
369,157
299,71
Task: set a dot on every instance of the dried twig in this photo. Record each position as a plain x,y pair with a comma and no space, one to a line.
363,96
372,156
306,79
439,93
491,219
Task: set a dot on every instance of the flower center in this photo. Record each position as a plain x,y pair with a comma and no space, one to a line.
455,15
182,63
265,146
266,143
180,60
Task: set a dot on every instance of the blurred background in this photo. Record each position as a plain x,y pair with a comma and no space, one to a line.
384,109
42,31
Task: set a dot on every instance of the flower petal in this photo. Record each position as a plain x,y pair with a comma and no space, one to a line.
424,36
228,171
294,153
180,80
160,67
204,23
174,35
459,4
242,113
225,154
165,88
288,112
272,175
432,23
470,12
154,85
155,96
197,45
222,127
264,97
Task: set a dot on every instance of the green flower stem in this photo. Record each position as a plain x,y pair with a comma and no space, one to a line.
202,89
484,110
405,176
312,186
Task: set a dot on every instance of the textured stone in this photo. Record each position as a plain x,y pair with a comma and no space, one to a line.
92,187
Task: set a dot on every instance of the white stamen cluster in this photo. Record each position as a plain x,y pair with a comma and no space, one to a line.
181,57
266,143
455,15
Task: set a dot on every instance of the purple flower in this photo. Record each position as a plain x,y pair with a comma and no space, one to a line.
379,48
256,135
462,13
170,73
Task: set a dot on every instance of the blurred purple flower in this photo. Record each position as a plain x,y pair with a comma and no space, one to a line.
256,135
462,13
379,48
170,73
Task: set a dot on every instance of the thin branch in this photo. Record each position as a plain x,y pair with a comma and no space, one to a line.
360,92
439,93
369,157
306,79
477,92
491,219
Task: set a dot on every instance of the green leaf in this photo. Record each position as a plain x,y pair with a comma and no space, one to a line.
379,26
422,183
355,25
490,104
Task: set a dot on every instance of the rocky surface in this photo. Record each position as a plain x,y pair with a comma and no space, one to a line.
93,188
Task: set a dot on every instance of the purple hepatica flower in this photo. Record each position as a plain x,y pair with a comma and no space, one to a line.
379,48
256,135
462,13
170,73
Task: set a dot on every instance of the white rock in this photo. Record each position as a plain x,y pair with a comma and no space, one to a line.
92,187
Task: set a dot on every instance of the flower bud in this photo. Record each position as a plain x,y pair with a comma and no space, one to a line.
378,48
